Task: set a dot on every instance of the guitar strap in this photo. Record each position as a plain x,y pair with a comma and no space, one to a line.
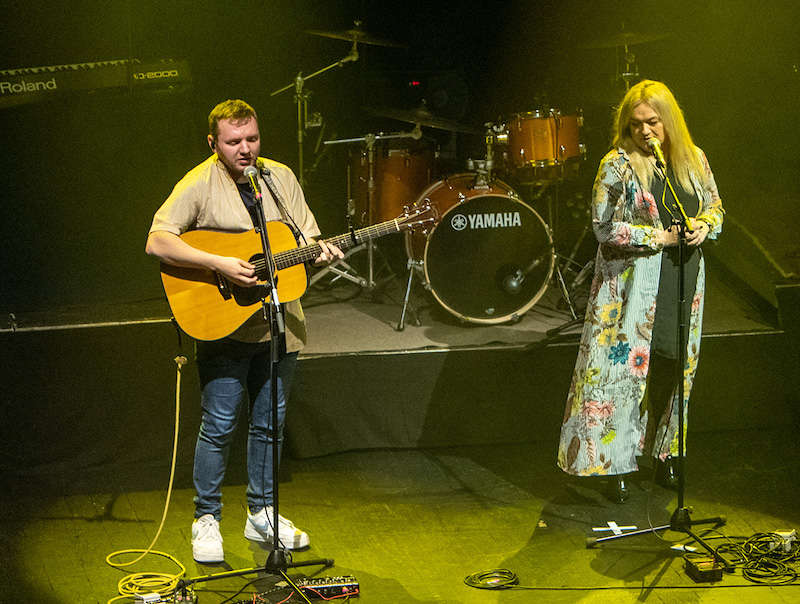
267,176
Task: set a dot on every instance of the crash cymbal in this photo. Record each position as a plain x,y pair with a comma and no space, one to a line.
624,38
356,35
423,117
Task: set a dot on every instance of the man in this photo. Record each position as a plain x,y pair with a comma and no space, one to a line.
217,195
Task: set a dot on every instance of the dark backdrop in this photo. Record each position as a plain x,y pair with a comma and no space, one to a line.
83,174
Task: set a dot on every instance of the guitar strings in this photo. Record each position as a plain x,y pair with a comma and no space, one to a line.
294,256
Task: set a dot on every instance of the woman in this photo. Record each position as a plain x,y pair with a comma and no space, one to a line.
626,369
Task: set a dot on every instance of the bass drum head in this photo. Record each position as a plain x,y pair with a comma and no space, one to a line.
489,259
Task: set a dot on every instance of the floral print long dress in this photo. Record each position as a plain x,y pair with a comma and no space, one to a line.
604,421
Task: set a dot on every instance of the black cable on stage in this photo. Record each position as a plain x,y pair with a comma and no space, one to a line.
496,578
762,559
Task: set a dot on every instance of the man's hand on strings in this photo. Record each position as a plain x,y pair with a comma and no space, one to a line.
330,253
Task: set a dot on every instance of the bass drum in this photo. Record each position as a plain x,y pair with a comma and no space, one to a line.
489,257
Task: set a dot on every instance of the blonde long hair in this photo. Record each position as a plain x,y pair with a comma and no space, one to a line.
678,145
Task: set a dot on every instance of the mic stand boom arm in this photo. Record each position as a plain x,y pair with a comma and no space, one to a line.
301,100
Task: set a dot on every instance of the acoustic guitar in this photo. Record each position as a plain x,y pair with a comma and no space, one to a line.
208,306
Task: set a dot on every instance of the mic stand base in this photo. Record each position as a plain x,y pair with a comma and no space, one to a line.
276,564
680,522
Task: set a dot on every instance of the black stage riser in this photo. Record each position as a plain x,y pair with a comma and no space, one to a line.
101,397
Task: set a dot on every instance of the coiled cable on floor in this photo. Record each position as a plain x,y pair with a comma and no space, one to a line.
149,582
496,578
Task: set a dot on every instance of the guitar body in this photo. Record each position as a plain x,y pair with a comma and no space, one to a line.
207,306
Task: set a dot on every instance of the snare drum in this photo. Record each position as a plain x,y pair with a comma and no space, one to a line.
399,174
489,257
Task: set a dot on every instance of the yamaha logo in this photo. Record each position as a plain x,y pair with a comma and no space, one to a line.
458,222
498,220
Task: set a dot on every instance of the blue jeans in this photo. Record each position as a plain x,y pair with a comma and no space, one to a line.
229,370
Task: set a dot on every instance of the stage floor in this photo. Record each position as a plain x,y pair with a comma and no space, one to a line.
410,525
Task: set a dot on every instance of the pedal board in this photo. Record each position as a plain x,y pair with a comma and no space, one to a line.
325,588
322,588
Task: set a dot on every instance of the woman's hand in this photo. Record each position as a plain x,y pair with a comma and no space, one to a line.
698,233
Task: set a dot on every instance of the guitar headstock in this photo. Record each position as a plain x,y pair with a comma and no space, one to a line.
419,215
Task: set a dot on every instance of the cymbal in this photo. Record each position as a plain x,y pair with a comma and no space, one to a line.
423,117
624,38
356,35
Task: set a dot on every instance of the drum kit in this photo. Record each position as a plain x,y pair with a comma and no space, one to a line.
489,256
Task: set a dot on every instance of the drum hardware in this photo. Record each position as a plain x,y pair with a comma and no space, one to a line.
301,96
585,272
623,38
357,35
414,267
421,116
496,134
628,73
341,268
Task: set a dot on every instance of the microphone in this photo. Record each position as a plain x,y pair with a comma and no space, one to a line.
513,283
251,172
655,146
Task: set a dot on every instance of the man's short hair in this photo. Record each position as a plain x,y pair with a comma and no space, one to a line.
234,110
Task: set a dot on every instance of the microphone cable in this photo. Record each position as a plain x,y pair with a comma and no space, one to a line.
138,584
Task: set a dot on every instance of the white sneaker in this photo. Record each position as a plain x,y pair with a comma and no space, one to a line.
206,540
259,528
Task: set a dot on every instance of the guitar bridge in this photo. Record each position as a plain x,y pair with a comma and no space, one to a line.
223,287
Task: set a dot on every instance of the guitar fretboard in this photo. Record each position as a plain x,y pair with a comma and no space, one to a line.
344,241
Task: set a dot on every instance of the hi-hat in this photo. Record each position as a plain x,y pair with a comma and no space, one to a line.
423,117
624,38
356,35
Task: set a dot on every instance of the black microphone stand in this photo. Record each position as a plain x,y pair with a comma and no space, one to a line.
278,561
681,520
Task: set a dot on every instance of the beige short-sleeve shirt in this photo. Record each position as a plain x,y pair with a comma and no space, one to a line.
208,198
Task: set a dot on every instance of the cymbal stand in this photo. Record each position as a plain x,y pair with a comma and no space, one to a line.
630,72
341,268
301,100
552,200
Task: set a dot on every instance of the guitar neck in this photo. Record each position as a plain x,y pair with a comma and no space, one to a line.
344,241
